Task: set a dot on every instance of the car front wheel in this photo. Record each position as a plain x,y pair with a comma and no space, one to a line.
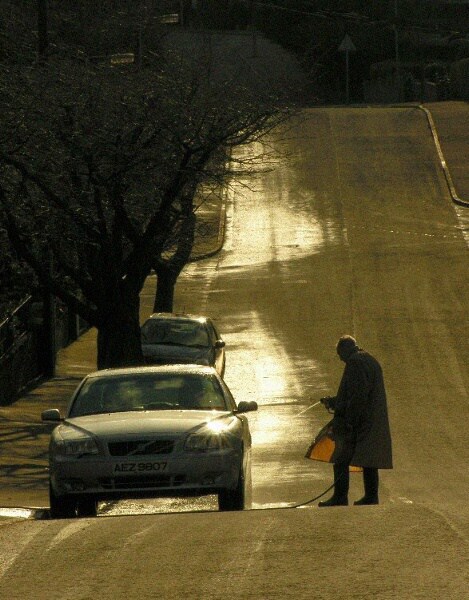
61,507
232,499
87,507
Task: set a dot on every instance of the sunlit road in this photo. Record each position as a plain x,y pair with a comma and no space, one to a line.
352,230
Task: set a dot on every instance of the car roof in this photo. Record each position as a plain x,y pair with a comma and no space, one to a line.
183,369
182,316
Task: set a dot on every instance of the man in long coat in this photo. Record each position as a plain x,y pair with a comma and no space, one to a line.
360,425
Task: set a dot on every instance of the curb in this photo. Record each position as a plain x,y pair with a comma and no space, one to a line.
220,234
456,199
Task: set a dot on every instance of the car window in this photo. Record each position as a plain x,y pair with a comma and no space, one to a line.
176,332
212,332
149,392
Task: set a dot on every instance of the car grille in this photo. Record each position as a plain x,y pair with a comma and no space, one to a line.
141,482
140,447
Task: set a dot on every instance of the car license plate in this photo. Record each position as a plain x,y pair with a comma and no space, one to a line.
140,467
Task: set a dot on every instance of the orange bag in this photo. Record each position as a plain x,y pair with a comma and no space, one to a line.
323,447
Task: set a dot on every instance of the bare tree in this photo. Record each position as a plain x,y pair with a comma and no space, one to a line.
98,170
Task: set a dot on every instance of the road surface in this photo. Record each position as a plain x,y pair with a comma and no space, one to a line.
352,230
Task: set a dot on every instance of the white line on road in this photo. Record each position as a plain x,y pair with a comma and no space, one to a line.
68,531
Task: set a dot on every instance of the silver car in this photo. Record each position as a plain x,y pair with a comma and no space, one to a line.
155,431
169,338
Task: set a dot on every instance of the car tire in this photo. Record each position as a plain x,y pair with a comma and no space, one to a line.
87,507
232,499
61,507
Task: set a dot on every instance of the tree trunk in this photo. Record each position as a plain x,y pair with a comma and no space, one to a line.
167,272
119,343
166,282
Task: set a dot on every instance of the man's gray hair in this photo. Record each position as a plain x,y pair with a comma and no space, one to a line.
347,342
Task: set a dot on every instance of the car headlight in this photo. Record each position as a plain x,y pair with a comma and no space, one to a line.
214,436
76,446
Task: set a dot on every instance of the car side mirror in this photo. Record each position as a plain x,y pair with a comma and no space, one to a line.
244,406
52,414
219,344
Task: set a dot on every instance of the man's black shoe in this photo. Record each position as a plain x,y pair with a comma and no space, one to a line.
334,502
364,501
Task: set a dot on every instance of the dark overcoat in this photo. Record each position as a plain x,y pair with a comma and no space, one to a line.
361,416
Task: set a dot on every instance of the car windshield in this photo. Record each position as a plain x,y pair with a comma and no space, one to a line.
157,391
174,332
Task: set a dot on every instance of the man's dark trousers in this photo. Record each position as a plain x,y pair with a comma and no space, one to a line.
342,481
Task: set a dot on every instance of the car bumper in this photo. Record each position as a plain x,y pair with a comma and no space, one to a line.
147,477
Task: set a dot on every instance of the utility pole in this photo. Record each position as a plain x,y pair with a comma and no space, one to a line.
253,28
182,20
49,342
346,47
396,51
142,20
42,27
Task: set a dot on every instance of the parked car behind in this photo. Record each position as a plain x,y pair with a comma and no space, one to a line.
169,338
158,431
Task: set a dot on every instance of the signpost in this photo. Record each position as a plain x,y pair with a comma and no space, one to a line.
347,46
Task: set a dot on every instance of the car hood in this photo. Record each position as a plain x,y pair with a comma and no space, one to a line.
173,422
174,352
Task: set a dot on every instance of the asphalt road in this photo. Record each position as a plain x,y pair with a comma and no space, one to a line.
351,230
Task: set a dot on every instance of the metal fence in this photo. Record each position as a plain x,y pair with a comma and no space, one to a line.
27,346
19,353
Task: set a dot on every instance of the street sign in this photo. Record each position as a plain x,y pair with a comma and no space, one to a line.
347,45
